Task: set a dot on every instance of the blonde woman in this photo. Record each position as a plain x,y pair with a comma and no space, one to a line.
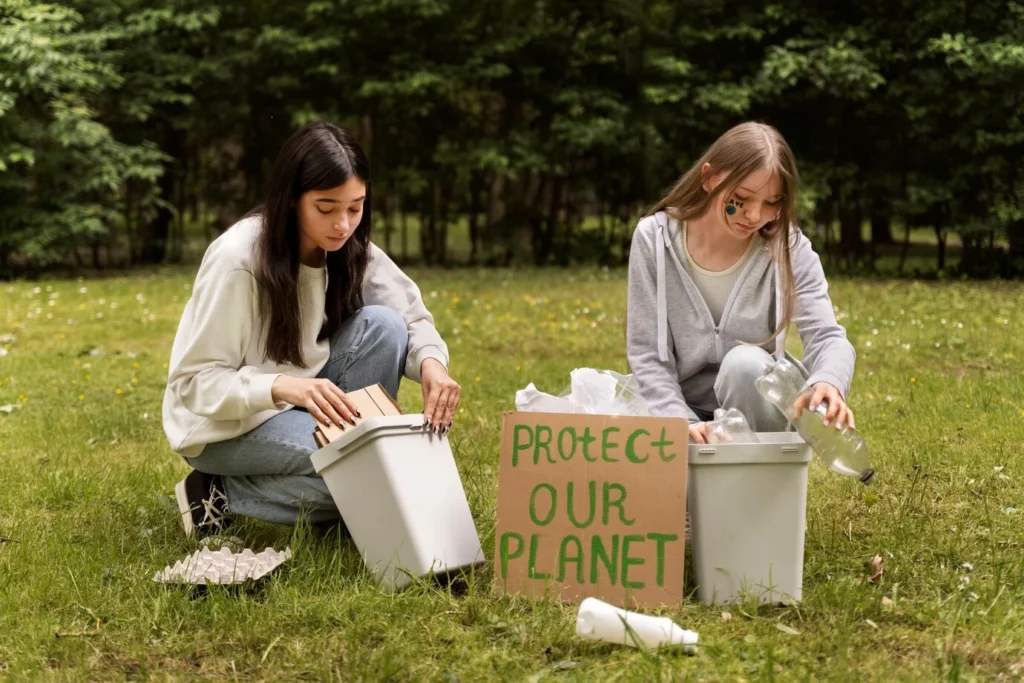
718,271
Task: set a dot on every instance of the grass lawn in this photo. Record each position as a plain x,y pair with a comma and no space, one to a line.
938,395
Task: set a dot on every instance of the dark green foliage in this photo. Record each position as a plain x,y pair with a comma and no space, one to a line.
541,129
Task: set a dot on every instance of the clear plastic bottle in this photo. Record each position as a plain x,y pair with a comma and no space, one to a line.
730,426
843,451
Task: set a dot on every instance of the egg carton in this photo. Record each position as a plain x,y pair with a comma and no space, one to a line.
222,567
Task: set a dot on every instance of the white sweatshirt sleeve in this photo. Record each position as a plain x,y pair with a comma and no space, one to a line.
206,371
386,285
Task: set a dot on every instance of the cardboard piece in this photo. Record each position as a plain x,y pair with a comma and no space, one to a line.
373,401
592,506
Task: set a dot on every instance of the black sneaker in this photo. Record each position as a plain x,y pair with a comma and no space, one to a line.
202,503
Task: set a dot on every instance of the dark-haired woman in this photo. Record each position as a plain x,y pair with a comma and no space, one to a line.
292,307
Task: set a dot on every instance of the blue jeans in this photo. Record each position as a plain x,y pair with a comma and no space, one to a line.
266,473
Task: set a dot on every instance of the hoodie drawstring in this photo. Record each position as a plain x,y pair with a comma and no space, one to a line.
662,304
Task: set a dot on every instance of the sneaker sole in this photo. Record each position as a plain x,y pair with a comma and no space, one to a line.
184,508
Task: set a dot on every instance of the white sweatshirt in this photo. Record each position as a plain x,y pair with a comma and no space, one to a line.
218,384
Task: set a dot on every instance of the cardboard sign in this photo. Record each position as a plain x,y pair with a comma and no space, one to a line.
592,506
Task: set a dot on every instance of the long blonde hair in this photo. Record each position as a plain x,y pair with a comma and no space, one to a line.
740,151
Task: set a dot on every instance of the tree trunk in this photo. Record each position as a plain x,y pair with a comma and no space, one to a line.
906,247
197,183
1015,233
573,225
549,226
405,230
444,221
824,216
130,228
366,134
178,224
154,237
606,235
495,213
428,224
536,220
940,236
881,227
476,190
385,214
850,240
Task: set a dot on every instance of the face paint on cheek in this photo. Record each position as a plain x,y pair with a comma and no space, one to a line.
731,207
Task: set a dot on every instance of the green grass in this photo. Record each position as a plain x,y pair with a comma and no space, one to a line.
938,397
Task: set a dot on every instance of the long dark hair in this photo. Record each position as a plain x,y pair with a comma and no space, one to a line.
318,156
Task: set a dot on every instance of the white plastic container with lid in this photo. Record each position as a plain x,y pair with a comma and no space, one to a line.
748,511
399,492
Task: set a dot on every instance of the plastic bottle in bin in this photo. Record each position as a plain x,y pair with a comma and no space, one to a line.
843,451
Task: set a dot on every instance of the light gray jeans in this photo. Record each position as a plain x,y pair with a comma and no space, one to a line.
734,388
267,473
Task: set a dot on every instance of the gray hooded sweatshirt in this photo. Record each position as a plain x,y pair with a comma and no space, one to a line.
674,347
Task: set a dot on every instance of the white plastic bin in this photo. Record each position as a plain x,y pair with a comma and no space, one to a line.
748,508
399,492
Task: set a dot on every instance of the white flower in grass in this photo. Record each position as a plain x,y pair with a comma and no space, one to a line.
998,468
82,290
967,567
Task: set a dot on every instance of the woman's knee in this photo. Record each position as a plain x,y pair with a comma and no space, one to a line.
741,366
384,325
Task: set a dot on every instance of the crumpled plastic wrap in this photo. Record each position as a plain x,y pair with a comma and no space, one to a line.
730,426
223,567
591,392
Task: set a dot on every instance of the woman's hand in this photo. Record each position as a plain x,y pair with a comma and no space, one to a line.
440,396
699,432
321,397
838,412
